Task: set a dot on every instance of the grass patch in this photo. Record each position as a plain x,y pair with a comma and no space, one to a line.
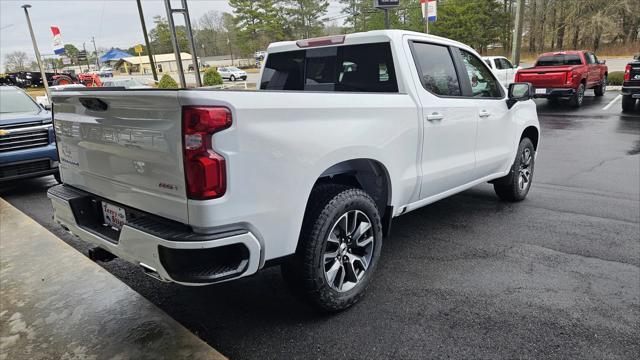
616,77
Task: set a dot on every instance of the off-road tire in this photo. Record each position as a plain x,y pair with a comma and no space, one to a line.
304,272
628,103
508,188
602,88
577,99
63,80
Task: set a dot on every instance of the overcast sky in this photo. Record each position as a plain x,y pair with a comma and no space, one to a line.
114,23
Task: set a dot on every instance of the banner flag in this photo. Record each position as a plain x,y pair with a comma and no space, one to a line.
58,45
429,9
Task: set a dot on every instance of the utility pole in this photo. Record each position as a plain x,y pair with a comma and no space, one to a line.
146,42
95,50
387,21
176,46
194,53
85,51
35,49
517,33
174,42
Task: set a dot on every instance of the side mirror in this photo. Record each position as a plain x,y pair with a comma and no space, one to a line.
602,62
519,92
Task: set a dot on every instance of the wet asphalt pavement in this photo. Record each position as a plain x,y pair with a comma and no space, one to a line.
555,276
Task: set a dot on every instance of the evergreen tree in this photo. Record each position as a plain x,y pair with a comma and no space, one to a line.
306,17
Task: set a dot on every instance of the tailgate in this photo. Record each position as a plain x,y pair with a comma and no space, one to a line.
124,146
544,78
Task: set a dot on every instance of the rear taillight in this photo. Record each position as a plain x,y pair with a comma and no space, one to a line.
627,72
569,77
204,169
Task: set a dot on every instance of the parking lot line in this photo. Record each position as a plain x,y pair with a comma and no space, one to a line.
612,102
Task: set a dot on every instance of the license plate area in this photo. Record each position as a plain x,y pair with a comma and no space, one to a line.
101,218
114,216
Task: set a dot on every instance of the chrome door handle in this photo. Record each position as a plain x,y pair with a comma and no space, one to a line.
484,114
435,116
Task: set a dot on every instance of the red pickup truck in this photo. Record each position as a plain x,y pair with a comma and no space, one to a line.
566,74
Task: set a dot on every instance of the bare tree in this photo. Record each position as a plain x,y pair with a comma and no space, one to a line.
17,61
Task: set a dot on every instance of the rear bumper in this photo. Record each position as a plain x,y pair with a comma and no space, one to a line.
165,250
630,90
557,92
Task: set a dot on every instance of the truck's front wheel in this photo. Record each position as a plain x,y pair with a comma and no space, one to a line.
338,249
515,186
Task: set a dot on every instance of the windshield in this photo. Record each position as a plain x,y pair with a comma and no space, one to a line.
233,69
559,60
15,101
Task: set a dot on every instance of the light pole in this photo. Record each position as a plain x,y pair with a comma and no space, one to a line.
35,49
95,50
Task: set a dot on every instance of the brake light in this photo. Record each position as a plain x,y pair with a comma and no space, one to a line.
204,169
321,41
627,72
569,77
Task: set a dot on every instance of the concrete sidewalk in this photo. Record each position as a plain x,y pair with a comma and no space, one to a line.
57,304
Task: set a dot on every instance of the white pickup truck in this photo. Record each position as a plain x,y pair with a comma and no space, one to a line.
199,186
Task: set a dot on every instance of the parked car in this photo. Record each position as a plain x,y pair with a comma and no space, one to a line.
232,73
502,67
200,186
260,55
105,72
631,85
566,74
130,83
27,143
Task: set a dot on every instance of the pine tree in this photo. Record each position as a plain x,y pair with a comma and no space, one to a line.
306,17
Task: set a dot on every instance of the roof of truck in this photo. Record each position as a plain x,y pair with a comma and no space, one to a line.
367,37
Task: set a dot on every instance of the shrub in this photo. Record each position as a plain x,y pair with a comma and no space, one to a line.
615,77
211,77
167,82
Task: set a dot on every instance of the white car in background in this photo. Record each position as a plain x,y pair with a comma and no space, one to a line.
232,73
502,67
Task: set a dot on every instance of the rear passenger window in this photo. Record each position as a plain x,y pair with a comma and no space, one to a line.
483,84
354,68
503,64
436,70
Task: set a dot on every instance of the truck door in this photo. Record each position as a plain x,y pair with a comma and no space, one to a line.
496,129
594,70
449,121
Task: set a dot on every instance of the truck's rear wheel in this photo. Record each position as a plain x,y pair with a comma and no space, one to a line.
338,249
515,186
577,98
628,103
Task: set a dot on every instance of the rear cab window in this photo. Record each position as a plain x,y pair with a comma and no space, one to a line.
559,60
345,68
